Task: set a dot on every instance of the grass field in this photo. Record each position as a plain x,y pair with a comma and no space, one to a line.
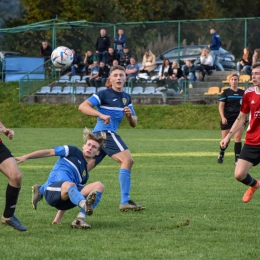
193,205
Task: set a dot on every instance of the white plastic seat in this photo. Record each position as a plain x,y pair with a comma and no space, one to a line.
56,90
90,90
64,79
80,90
149,90
44,90
67,90
101,88
137,90
75,78
83,79
127,90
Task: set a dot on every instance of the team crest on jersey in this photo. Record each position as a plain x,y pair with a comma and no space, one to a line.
84,173
124,101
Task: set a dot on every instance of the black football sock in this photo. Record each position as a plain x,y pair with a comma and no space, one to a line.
249,181
237,150
12,194
222,151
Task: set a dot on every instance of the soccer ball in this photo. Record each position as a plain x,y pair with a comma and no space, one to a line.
62,57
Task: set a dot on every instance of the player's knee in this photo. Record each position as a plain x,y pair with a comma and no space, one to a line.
16,178
99,186
239,175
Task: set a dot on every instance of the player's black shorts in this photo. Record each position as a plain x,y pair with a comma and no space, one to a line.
251,154
228,125
113,144
4,152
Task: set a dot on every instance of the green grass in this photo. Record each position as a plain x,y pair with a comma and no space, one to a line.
185,116
193,205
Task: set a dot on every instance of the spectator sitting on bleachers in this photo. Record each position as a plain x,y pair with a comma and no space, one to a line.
102,76
206,63
125,57
77,63
148,63
164,68
88,61
176,73
246,62
120,42
256,56
171,87
132,70
112,55
93,73
188,74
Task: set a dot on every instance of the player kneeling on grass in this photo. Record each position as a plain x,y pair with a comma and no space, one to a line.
65,187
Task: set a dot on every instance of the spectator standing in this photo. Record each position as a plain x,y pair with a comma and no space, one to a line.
132,70
125,57
88,61
246,62
256,56
93,73
112,55
102,45
229,108
214,47
77,63
148,63
120,42
206,63
45,49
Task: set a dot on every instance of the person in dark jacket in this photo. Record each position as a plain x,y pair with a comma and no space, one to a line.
45,49
112,55
125,57
120,42
214,48
77,63
245,63
88,61
102,45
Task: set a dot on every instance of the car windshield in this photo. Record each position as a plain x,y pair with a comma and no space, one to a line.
193,50
172,53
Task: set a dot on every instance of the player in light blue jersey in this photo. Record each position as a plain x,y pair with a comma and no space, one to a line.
66,186
112,105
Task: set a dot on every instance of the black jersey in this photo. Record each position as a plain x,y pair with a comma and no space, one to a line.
233,101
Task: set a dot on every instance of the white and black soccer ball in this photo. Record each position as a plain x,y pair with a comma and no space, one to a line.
62,57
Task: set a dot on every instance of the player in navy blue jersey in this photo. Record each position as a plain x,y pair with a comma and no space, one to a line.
112,105
229,109
66,186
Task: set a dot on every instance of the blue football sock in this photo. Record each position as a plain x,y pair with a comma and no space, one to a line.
125,185
99,195
41,190
75,196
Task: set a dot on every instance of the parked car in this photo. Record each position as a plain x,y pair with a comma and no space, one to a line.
193,52
3,55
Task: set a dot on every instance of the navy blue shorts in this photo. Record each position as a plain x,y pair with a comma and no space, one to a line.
4,152
53,197
113,144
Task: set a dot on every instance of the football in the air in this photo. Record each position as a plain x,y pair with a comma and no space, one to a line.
62,57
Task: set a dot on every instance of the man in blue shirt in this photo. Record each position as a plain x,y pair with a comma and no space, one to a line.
66,186
214,47
132,70
93,74
112,105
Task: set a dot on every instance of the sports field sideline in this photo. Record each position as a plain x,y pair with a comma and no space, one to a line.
193,204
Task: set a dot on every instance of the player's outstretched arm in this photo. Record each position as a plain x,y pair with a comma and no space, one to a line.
132,119
36,154
240,122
